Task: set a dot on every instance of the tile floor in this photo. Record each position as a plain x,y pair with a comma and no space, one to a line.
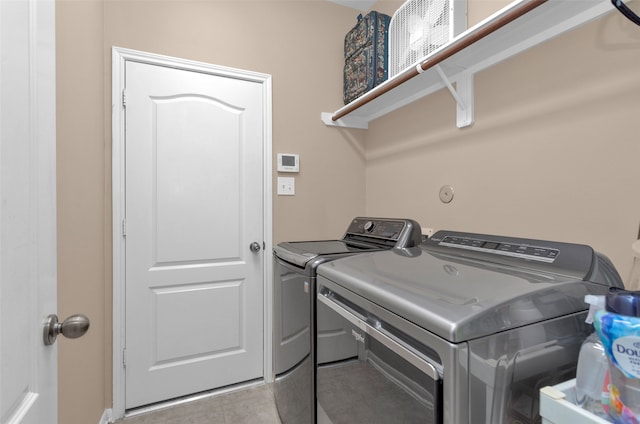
253,405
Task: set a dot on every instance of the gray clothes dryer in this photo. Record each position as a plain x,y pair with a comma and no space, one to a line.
464,329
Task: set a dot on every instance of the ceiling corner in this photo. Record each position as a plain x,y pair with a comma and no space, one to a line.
361,5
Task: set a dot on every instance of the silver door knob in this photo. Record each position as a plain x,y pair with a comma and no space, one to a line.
73,327
254,247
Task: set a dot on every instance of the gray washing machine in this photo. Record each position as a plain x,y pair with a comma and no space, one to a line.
303,334
464,329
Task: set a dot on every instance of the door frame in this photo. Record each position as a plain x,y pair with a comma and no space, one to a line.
119,58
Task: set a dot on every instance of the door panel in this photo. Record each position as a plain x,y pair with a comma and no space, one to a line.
194,290
179,307
28,368
190,165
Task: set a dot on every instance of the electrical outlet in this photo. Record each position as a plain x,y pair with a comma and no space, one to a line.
426,231
286,186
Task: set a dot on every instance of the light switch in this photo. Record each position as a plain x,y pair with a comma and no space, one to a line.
286,186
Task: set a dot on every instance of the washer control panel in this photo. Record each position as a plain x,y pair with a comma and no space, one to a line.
389,229
390,232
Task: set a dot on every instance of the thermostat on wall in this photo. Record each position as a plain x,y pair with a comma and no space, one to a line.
288,162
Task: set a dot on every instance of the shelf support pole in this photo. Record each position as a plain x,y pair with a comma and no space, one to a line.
462,94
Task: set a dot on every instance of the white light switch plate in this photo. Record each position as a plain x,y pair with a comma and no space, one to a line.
286,186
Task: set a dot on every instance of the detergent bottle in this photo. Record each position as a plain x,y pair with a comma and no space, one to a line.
618,327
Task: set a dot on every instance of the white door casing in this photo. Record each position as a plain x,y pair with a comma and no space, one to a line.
193,184
28,368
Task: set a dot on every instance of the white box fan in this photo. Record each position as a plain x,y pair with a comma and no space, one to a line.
421,26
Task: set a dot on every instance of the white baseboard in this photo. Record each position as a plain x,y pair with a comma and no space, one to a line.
106,417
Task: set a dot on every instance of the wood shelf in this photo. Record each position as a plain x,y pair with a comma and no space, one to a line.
491,41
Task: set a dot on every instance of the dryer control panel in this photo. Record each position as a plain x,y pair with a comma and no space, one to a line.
575,260
516,250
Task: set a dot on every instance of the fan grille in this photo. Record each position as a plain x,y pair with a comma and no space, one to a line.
418,28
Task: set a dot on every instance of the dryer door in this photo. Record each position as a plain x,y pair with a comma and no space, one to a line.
388,382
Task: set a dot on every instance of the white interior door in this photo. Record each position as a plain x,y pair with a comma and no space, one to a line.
194,204
27,211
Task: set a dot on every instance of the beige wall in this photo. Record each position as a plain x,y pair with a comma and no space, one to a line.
553,154
84,365
560,116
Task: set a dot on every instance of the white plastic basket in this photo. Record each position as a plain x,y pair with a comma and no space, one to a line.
420,27
557,407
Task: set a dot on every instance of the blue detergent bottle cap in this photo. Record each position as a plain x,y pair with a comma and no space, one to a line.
623,302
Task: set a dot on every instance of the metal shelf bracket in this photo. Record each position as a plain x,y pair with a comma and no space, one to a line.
462,94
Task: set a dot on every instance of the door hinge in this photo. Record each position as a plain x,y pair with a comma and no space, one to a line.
124,98
124,228
124,358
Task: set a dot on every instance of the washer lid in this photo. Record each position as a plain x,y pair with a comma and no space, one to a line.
301,252
455,297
